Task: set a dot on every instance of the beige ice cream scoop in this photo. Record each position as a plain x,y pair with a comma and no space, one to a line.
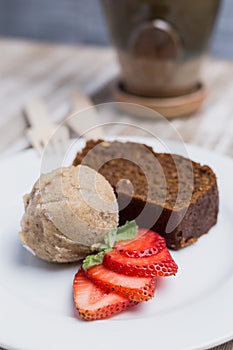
66,212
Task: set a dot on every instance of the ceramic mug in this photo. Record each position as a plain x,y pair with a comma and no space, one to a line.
160,43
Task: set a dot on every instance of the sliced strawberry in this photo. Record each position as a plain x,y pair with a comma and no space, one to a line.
94,304
159,265
134,288
146,243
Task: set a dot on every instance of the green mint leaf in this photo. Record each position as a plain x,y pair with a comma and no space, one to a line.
92,260
110,238
127,231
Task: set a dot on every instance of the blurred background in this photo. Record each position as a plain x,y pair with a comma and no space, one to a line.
82,21
51,49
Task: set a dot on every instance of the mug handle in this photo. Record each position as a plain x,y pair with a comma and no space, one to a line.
155,39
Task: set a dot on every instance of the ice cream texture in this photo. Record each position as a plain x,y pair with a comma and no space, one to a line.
67,211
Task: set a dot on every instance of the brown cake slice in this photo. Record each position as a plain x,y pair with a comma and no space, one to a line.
170,194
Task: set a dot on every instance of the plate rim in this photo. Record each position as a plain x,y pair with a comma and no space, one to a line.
8,345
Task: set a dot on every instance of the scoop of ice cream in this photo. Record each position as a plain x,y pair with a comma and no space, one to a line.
66,212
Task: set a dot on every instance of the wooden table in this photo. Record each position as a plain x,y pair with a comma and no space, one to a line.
29,69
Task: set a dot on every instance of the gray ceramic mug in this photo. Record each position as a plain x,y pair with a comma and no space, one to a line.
160,43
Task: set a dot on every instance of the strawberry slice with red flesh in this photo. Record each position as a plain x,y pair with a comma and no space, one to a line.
146,243
93,303
159,265
134,288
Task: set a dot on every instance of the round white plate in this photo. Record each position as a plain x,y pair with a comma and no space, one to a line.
192,310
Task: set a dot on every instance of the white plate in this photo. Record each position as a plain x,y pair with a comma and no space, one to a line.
193,310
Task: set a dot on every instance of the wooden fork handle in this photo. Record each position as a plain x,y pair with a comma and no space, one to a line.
80,101
84,119
37,114
33,139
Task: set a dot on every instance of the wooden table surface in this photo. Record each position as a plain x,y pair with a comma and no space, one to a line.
29,69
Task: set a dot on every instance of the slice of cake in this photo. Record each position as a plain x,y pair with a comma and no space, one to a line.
170,194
